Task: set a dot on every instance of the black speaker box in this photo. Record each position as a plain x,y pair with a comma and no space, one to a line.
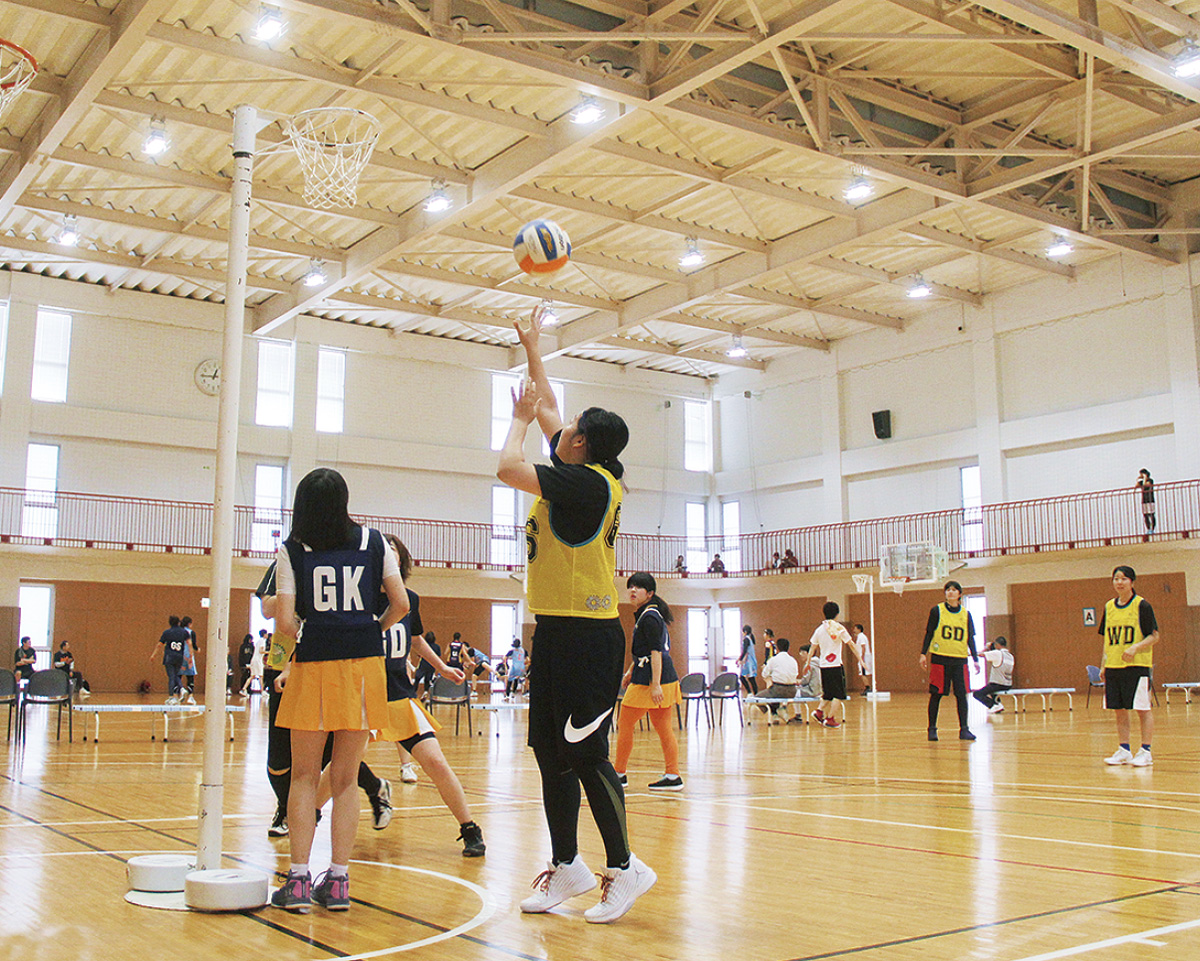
883,423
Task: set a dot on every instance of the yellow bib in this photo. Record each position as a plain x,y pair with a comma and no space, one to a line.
1123,627
280,653
573,580
950,636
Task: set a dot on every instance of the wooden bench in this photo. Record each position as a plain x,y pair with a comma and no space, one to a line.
1018,694
754,700
166,710
1186,686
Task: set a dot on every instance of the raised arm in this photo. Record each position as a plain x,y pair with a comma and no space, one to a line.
514,470
549,417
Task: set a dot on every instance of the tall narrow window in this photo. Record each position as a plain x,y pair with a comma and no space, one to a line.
731,634
331,390
972,502
39,516
35,603
267,527
697,436
731,535
507,540
504,629
695,530
51,356
274,402
697,635
3,340
502,387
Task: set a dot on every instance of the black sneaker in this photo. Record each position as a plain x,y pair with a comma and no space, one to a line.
624,779
965,735
279,826
471,836
668,782
381,805
933,734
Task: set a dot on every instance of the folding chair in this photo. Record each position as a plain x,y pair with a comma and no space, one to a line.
694,687
8,695
445,691
725,687
50,686
1094,680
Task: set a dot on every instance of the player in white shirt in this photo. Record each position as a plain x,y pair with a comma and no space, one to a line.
1000,664
865,661
827,642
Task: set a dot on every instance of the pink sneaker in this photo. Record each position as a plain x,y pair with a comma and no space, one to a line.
332,893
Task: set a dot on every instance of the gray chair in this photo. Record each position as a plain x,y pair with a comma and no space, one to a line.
445,691
9,696
1095,679
726,687
50,686
694,687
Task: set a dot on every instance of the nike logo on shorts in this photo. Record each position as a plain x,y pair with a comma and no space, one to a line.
575,734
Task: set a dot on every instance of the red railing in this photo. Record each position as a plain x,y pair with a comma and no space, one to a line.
1096,519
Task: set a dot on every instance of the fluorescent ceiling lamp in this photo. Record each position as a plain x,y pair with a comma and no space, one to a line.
270,23
1060,248
315,275
549,314
588,110
858,190
919,288
156,141
692,257
439,199
69,235
736,350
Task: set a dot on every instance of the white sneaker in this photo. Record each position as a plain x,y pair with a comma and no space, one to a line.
172,699
1142,758
558,883
408,773
619,889
996,708
189,699
1122,756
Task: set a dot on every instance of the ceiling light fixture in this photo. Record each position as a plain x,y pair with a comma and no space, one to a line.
1060,248
315,275
692,257
1186,63
919,288
859,189
156,141
438,199
270,23
736,350
588,110
549,314
69,235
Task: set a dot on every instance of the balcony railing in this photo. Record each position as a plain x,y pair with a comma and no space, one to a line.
1096,519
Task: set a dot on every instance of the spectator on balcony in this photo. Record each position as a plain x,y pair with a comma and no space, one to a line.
949,638
578,643
747,662
64,660
1130,631
789,560
776,561
717,566
25,660
680,565
1145,483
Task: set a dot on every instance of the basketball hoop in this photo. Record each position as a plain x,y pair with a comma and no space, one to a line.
861,581
898,584
17,70
334,145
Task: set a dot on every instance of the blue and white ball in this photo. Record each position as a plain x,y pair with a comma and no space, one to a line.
541,247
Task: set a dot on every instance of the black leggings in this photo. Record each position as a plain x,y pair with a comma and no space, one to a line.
956,678
561,798
750,683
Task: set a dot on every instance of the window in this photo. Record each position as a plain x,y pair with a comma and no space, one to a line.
331,390
695,530
34,601
39,516
505,627
697,436
731,633
731,535
972,501
267,527
697,634
3,340
976,605
507,539
274,405
51,354
502,387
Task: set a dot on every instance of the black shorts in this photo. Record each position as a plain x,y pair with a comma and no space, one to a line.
574,680
946,673
1127,688
480,668
833,683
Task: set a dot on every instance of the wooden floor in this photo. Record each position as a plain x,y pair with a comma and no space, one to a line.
788,843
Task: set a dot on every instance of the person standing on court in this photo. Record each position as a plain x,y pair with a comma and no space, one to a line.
949,639
865,664
578,642
1130,631
747,662
171,648
328,574
828,642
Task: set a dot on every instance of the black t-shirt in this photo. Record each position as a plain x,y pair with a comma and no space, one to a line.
650,635
174,640
397,644
25,670
578,497
246,653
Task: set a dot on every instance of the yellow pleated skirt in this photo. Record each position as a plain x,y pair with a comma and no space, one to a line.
407,718
638,695
348,695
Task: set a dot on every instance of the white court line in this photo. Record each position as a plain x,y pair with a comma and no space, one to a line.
1112,942
1099,802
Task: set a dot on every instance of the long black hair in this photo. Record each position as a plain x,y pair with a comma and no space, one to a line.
320,515
606,434
647,583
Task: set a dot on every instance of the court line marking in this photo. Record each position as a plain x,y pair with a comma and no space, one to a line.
1138,938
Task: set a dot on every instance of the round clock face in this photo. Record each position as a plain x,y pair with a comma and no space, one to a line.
208,376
